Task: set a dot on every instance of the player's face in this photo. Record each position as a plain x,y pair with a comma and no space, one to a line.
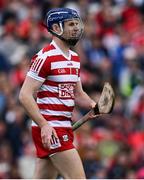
73,29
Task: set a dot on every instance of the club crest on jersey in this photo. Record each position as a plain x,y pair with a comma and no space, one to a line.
76,71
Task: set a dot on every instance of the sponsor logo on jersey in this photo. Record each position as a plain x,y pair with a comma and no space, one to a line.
70,64
61,71
66,90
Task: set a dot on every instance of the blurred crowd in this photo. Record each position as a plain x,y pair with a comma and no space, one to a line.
111,49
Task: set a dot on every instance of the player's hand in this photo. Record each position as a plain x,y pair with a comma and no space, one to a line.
48,135
92,114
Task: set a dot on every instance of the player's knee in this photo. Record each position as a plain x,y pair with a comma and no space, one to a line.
43,170
45,175
74,175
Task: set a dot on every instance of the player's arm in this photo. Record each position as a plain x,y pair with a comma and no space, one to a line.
82,98
27,99
104,105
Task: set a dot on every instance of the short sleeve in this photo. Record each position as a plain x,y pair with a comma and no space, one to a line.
79,69
79,75
39,68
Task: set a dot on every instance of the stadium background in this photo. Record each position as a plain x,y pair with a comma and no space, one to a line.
112,49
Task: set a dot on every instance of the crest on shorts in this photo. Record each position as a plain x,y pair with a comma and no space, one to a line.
65,138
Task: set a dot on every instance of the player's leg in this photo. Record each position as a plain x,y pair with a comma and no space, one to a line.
44,169
69,164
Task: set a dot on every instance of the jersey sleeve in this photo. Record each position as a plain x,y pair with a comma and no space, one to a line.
39,68
79,70
76,58
79,75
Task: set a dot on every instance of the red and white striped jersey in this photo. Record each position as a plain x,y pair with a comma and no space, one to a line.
59,75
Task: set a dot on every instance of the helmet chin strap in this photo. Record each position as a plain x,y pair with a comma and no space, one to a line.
70,42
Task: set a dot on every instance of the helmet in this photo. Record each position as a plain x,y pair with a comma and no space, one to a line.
59,16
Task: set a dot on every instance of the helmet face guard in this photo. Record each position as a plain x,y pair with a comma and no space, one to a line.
61,16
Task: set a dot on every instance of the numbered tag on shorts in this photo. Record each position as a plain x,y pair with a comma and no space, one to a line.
55,143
